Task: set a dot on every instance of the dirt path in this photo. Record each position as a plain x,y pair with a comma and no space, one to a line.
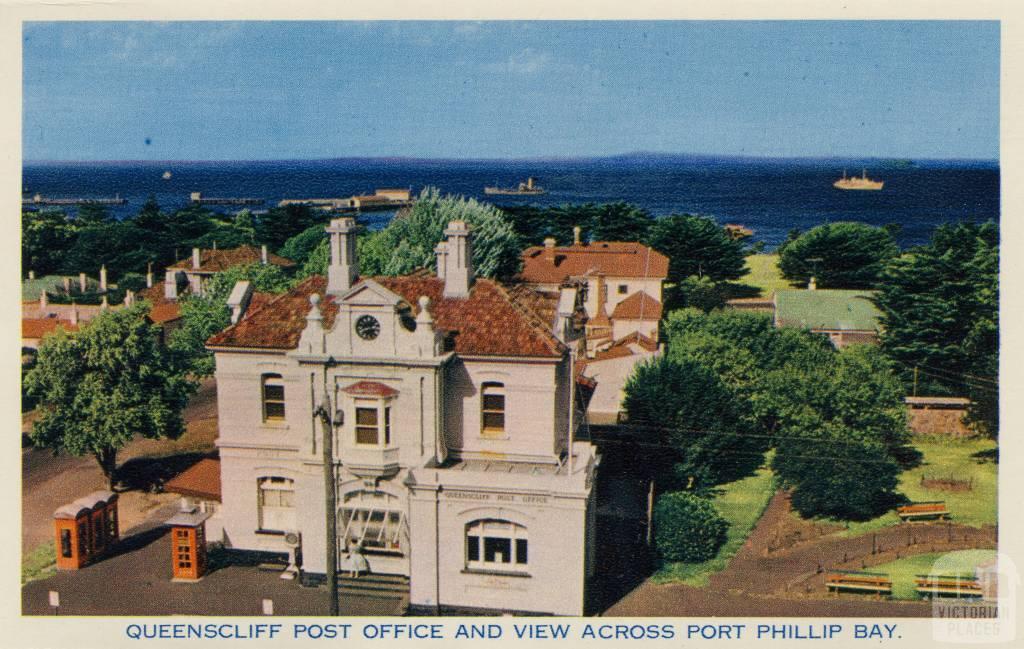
780,570
49,481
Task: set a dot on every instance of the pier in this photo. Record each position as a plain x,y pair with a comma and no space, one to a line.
381,199
39,199
198,199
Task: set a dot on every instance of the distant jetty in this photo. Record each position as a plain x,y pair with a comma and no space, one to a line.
524,189
197,198
380,199
39,199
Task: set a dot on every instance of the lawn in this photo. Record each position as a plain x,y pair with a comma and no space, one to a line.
903,571
741,503
944,457
40,563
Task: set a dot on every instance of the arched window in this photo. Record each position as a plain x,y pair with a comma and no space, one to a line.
492,409
276,504
493,544
273,397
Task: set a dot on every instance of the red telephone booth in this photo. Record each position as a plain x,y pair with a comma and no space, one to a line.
86,529
188,544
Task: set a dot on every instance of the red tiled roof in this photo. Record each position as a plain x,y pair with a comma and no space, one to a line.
39,327
638,306
637,338
214,261
201,480
370,389
613,258
492,321
166,312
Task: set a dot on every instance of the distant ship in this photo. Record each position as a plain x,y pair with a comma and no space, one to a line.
863,183
167,175
527,188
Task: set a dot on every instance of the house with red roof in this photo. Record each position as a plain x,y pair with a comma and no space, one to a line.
445,403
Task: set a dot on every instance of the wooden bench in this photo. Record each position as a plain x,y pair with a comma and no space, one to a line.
929,586
862,582
923,511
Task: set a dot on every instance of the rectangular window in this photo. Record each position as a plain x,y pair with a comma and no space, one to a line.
65,543
492,409
623,288
276,504
472,548
497,550
273,397
366,426
521,553
387,426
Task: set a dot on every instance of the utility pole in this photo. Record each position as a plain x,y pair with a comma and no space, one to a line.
326,413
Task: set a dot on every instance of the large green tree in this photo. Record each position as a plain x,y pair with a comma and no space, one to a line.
696,246
101,386
45,236
838,255
940,315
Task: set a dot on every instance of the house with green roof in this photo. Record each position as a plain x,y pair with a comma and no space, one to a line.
845,316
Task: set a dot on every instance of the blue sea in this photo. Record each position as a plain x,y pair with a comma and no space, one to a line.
770,196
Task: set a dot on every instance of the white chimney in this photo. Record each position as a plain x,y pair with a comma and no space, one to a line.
149,276
74,314
31,274
104,305
441,250
171,285
576,232
812,285
67,286
195,258
549,249
344,266
263,255
103,278
82,282
42,299
239,299
129,297
458,275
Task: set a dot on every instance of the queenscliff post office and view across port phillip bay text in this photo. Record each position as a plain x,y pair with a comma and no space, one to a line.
443,318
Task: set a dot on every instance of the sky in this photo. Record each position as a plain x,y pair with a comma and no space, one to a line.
312,90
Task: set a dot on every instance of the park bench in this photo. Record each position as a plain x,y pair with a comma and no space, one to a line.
923,511
930,586
863,582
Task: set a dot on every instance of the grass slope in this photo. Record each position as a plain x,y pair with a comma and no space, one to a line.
764,274
40,563
903,571
741,503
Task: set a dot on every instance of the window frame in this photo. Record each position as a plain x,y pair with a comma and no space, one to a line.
273,380
265,484
493,389
480,532
382,422
623,289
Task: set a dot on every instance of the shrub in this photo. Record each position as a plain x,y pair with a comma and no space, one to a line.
687,528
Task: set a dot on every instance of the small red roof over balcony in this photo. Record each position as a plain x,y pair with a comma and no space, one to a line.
370,389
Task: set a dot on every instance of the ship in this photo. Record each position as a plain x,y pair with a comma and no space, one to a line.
167,175
863,183
524,189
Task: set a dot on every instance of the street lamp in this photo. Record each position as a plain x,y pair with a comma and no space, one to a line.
330,420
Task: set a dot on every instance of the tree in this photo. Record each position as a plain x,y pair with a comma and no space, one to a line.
204,315
281,223
940,314
617,222
299,247
408,242
838,255
688,528
696,246
106,383
45,236
699,430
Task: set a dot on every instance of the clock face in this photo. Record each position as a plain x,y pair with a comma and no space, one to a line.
367,327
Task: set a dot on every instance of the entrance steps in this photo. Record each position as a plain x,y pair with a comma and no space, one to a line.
374,586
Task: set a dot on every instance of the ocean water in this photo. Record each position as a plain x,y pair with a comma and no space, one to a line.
770,196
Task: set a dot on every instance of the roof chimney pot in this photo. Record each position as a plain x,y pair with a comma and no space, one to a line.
195,258
458,274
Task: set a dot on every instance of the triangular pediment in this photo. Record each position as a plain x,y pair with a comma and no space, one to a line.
369,293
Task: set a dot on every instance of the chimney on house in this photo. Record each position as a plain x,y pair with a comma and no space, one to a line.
67,286
263,254
103,278
74,314
149,275
31,274
171,285
82,284
458,275
812,285
42,299
576,232
129,297
195,258
104,305
602,296
549,249
344,266
239,299
441,250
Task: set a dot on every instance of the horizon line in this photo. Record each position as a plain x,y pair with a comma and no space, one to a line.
538,158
